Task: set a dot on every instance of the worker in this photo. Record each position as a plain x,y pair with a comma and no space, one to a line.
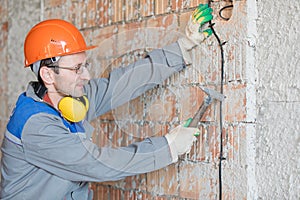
47,151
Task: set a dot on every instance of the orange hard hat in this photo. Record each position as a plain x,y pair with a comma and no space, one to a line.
51,38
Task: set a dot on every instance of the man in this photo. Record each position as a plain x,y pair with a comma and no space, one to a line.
47,149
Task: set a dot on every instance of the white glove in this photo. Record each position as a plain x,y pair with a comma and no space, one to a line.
180,140
194,31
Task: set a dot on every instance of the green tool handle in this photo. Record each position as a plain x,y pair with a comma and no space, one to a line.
193,122
187,124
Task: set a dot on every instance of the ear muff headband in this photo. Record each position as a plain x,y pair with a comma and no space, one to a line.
73,109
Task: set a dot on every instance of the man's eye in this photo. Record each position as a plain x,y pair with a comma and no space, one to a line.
86,65
78,66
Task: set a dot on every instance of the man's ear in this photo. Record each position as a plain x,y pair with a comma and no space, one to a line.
46,75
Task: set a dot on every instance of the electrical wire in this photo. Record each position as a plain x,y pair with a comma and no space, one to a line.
221,44
222,9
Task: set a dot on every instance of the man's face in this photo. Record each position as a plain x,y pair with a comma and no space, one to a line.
70,81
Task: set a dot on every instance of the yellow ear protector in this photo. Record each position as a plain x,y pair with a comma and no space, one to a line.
73,109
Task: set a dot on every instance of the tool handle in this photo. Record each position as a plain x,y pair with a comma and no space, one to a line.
195,120
187,124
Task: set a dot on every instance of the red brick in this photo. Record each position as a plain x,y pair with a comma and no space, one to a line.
117,11
163,181
131,9
207,146
176,5
133,195
235,102
199,149
130,38
115,194
77,13
91,14
146,7
161,6
102,13
100,191
235,53
162,30
54,3
234,142
137,182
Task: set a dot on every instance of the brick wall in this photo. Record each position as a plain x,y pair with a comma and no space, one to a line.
138,28
125,31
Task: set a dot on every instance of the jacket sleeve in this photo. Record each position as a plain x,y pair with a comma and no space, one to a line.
52,147
124,84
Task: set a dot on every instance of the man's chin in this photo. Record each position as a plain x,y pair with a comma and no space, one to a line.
77,94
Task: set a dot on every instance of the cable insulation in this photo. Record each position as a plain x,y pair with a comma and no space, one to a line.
221,44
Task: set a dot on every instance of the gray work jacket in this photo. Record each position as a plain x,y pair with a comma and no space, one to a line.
46,157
